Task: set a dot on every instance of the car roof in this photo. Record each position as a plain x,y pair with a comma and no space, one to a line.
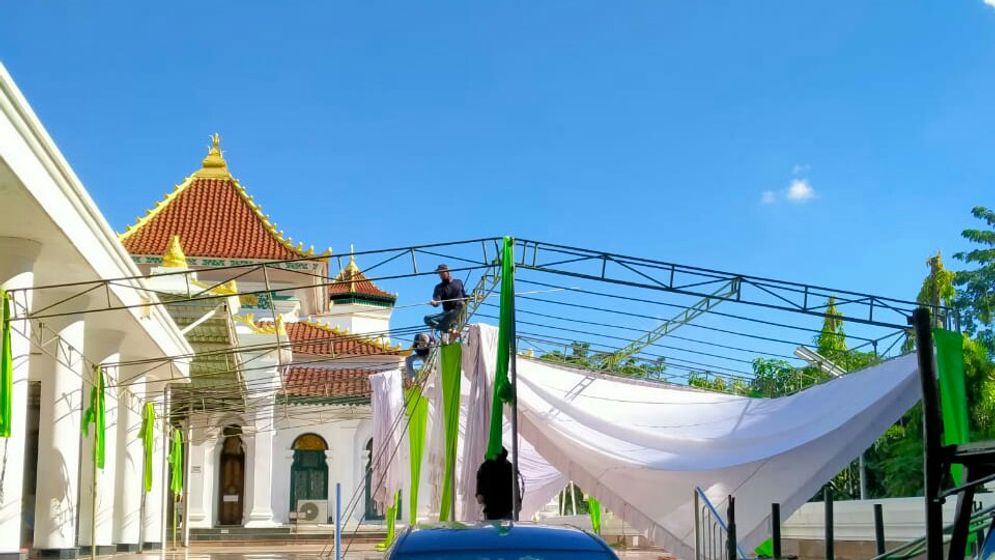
497,536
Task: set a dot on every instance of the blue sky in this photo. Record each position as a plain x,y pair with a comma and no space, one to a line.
831,143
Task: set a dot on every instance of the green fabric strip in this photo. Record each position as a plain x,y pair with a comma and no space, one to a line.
765,549
450,357
502,386
594,508
96,414
417,409
147,435
953,396
391,522
6,369
176,463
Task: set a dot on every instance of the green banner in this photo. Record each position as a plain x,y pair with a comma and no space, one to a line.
594,508
391,522
176,463
147,435
953,396
96,414
502,386
416,407
450,356
6,369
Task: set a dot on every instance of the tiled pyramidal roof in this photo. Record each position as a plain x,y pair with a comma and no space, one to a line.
351,285
215,217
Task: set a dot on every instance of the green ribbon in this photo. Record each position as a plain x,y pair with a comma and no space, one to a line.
147,435
6,369
594,508
417,409
953,396
450,356
96,414
176,463
391,522
502,386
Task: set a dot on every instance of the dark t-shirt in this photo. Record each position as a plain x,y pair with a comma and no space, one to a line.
451,290
494,484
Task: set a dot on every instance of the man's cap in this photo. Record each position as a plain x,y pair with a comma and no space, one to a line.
441,267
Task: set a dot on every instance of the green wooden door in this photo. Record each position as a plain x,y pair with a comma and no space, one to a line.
308,477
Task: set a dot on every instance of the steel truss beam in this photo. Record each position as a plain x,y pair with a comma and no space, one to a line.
729,290
693,281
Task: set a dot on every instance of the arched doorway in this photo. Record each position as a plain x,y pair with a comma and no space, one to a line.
309,471
231,477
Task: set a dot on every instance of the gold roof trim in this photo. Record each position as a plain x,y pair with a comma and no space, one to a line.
174,257
214,165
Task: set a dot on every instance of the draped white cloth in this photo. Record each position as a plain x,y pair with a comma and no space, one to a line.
541,481
641,448
388,464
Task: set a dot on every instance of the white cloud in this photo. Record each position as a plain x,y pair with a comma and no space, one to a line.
800,191
990,3
801,168
768,197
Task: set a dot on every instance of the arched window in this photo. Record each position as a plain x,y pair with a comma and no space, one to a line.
309,472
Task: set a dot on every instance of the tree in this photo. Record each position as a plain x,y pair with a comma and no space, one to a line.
831,342
976,298
580,355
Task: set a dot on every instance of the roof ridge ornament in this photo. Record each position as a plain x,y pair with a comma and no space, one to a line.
174,257
214,165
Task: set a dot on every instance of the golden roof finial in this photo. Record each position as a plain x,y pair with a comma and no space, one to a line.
214,165
281,327
174,257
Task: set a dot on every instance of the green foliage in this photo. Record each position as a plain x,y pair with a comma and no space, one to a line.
580,355
976,298
831,342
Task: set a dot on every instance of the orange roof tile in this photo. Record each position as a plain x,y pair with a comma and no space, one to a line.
352,282
315,382
320,340
214,217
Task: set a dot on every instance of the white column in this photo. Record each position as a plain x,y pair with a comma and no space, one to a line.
200,445
260,469
130,459
348,468
103,347
153,522
56,504
16,272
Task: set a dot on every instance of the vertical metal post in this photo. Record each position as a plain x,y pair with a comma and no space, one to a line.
863,477
932,430
775,528
164,525
731,530
338,521
697,527
186,482
513,354
879,528
827,498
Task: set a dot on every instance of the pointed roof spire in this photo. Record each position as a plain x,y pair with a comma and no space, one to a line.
174,257
214,165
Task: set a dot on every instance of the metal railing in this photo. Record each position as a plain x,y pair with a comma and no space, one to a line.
714,539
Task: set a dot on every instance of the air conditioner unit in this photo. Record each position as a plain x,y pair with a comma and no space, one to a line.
312,512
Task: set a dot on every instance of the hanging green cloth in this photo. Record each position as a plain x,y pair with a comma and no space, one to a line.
176,463
502,386
450,356
147,435
391,522
594,508
416,407
95,414
6,369
953,396
765,549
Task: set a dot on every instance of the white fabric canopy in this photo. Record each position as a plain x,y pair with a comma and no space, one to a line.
641,447
387,407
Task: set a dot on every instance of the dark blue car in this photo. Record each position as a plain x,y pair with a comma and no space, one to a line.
499,541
